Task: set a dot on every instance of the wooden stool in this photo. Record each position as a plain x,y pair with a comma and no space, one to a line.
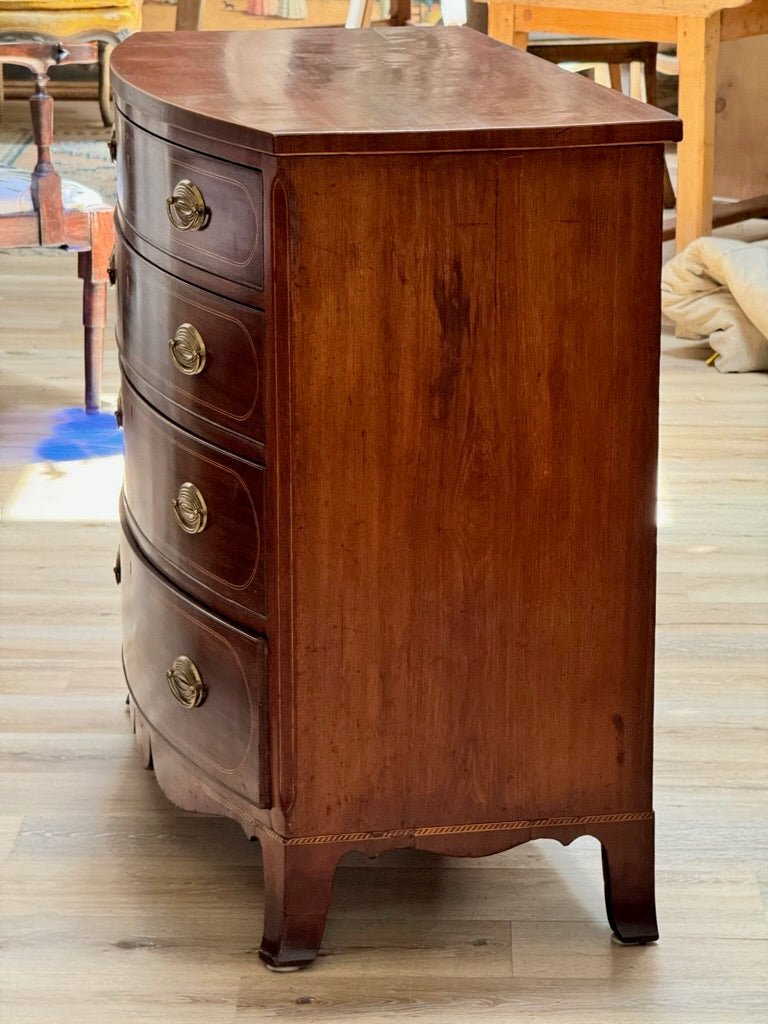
614,53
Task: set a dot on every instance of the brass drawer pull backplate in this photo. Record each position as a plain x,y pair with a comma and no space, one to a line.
186,207
188,350
186,683
190,509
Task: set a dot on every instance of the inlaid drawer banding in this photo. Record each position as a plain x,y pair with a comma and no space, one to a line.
200,509
204,211
196,356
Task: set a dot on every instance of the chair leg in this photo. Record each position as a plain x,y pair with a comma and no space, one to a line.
615,72
94,322
649,68
93,269
105,92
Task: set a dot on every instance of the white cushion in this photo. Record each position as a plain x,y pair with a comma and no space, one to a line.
16,193
717,288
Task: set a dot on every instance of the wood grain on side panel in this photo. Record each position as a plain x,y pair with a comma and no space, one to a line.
473,456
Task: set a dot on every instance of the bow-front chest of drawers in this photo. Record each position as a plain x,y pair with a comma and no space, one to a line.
389,339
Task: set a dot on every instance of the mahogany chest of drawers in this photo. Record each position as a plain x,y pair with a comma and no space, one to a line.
389,342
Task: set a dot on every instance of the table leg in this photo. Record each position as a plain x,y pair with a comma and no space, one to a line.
188,15
400,12
698,43
501,25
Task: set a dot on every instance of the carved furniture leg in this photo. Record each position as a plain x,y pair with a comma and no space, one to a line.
46,183
628,872
297,892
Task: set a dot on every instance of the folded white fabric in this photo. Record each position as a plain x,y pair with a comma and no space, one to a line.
717,288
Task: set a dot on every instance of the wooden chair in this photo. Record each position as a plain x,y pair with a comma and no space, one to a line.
614,53
39,209
102,23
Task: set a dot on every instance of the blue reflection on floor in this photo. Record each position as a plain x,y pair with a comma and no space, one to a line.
80,435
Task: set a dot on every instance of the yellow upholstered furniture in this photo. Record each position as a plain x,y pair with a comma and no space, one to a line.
100,22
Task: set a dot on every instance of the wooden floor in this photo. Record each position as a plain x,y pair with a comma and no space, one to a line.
116,907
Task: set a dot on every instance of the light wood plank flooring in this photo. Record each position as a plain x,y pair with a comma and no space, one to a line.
117,907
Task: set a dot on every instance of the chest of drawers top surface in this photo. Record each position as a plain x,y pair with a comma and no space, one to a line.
301,91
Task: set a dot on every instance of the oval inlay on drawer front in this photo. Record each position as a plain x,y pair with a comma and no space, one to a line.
225,238
200,508
218,716
197,350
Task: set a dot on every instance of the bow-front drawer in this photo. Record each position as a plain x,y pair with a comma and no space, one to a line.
196,356
204,211
198,511
199,682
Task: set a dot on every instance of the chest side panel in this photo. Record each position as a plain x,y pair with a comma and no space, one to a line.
472,485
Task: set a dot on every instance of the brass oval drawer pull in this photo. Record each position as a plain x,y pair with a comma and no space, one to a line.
186,207
186,683
188,350
190,509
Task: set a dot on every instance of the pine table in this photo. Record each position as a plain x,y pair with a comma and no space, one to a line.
697,27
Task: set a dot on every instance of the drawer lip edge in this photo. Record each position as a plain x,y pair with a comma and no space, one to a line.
248,621
195,276
247,448
264,800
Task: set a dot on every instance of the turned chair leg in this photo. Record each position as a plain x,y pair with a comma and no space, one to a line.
94,322
297,893
93,269
628,872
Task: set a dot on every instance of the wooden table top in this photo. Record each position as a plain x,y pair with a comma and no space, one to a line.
318,90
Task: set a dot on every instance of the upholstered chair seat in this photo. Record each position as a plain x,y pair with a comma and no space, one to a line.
16,194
